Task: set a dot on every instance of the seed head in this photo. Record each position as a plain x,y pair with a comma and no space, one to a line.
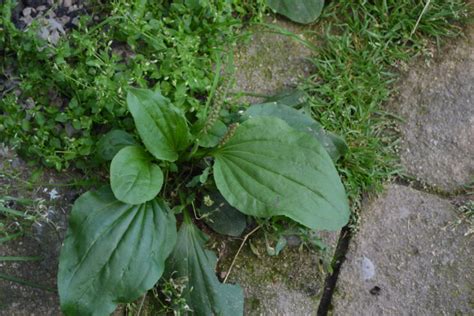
229,134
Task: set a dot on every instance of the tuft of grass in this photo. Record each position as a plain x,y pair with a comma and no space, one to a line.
466,215
364,44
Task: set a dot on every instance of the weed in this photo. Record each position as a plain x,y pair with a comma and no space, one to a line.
133,212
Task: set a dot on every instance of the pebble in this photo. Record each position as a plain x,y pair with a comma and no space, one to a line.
64,19
27,11
43,33
72,8
54,37
52,26
50,14
55,25
27,19
368,269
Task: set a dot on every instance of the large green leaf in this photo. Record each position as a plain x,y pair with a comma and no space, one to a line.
222,217
204,293
113,252
162,126
133,178
334,145
268,168
111,143
300,11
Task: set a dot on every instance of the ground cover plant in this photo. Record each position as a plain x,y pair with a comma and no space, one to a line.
176,158
58,98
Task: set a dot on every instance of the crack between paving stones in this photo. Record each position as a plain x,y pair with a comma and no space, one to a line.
425,187
331,280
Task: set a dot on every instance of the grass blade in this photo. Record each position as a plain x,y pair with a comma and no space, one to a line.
10,211
14,258
10,237
25,282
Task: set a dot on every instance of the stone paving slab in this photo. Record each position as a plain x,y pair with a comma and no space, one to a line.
410,257
437,104
270,62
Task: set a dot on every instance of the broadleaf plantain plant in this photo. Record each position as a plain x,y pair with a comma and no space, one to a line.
275,161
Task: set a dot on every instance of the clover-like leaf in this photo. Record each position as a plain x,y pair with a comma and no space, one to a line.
300,11
161,125
133,178
113,252
204,293
267,168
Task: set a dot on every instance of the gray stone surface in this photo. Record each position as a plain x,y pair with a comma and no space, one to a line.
269,62
411,257
437,103
289,284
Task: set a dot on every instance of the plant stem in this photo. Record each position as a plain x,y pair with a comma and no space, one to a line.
238,252
421,15
141,304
